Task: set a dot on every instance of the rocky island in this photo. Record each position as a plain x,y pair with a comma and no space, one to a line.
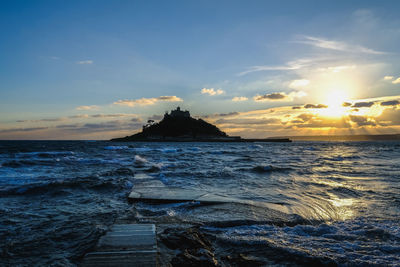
179,126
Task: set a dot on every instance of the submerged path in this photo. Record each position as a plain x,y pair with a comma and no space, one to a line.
125,245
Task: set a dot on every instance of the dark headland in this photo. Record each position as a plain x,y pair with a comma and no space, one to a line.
179,126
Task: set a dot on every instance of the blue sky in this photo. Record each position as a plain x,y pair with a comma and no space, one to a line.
103,67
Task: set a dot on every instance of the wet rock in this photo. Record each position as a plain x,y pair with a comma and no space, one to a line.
194,248
242,260
193,257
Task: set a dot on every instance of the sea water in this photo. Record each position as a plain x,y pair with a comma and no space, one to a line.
314,202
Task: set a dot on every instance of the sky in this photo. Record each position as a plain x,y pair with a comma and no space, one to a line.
100,69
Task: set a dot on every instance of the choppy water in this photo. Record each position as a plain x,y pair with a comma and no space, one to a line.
340,202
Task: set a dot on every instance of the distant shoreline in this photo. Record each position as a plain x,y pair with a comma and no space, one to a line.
211,140
347,138
366,137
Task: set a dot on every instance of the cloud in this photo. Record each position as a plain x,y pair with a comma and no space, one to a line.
315,106
92,107
362,104
246,121
389,117
169,98
44,120
211,91
85,62
270,97
397,81
362,120
147,101
390,103
266,68
279,96
230,114
79,116
155,117
239,98
388,78
23,129
337,45
346,104
115,125
337,69
299,83
118,115
316,122
305,117
291,65
296,107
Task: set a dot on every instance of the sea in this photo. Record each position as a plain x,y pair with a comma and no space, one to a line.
291,204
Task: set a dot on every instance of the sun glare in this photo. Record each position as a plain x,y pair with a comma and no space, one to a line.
334,100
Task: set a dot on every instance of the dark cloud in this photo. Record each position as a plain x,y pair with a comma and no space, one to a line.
296,107
389,117
115,125
112,115
297,121
23,129
273,96
315,106
227,114
323,123
362,120
166,98
390,103
346,104
221,115
314,123
65,126
306,120
43,120
79,116
155,117
362,104
305,117
248,121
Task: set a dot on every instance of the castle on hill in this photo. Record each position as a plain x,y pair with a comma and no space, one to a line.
178,126
177,113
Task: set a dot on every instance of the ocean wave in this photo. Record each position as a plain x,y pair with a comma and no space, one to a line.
170,150
343,243
45,154
116,147
269,168
345,192
50,186
18,163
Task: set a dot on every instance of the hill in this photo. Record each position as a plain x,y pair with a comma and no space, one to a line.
178,126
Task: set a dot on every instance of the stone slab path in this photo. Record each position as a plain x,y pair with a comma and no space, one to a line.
125,245
170,194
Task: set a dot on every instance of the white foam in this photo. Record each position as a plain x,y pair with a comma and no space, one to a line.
140,160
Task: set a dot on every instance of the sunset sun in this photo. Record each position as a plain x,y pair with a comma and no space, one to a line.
334,100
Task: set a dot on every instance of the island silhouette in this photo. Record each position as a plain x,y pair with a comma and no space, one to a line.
179,126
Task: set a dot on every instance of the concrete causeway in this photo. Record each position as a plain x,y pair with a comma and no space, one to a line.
125,245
